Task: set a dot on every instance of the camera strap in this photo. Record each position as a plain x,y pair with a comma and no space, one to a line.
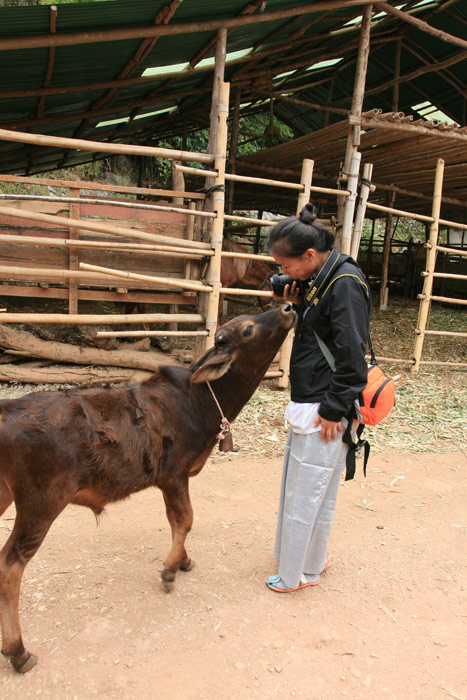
312,295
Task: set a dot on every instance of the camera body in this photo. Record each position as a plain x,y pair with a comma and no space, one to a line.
279,281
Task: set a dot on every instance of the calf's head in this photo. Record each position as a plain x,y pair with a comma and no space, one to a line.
247,343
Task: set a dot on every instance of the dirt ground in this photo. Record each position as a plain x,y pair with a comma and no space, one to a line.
388,619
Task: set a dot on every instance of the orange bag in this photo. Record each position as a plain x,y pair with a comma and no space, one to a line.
377,398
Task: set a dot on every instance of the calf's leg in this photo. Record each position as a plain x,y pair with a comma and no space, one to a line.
31,526
6,497
180,517
187,563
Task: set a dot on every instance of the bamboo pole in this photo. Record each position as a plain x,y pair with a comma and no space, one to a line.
149,334
73,256
101,200
367,123
450,333
445,300
214,272
305,183
97,319
97,36
388,234
253,222
454,224
420,24
400,212
233,146
353,137
245,292
361,209
98,186
218,79
242,178
425,302
157,281
454,251
100,147
349,206
264,181
397,74
446,275
140,248
101,227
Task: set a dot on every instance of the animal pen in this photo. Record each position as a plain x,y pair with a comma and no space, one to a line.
65,247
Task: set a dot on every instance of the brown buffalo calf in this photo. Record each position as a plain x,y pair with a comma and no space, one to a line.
93,446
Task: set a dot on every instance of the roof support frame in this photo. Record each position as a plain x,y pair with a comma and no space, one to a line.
73,38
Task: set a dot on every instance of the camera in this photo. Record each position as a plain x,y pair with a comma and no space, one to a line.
278,283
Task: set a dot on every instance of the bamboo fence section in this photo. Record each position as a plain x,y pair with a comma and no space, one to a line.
427,297
218,199
196,250
99,227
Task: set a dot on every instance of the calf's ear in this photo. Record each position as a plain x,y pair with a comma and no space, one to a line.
211,367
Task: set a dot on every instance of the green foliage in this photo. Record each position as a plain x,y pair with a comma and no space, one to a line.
404,230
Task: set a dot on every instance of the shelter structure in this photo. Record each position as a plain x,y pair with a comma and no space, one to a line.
81,81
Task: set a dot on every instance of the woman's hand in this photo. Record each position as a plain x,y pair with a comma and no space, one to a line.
292,294
329,428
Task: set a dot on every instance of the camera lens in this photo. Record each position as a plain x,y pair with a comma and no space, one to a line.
279,282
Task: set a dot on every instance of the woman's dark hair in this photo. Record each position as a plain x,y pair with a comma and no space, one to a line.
291,237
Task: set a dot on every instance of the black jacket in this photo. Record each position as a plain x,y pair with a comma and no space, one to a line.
341,319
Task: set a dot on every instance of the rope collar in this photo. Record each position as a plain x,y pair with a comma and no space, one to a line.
225,425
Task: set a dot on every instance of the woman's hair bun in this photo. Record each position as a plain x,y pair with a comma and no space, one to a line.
308,214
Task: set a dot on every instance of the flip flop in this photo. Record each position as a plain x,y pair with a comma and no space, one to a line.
326,566
273,581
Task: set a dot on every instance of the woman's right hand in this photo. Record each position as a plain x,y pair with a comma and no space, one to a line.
292,294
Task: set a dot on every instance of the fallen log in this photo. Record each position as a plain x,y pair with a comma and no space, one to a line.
30,373
29,345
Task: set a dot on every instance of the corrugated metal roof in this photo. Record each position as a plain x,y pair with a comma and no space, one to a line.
84,95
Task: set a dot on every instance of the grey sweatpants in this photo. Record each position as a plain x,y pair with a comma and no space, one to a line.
310,481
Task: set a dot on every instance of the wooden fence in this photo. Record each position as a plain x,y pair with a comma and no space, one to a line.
80,258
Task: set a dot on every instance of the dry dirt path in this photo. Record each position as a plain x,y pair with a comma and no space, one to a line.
388,619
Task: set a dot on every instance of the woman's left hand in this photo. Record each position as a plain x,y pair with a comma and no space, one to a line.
329,428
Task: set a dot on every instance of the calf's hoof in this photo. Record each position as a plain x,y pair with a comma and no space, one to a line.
26,665
168,579
188,566
23,662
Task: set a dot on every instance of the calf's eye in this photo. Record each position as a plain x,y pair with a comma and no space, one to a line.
248,331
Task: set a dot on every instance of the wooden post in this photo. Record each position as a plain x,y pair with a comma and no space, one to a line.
305,180
361,209
353,138
206,233
218,79
178,184
349,206
397,75
383,290
218,199
233,147
73,255
286,349
425,297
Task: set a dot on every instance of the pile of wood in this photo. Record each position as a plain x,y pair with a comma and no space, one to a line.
27,358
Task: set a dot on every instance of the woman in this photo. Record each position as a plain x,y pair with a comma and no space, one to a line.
332,299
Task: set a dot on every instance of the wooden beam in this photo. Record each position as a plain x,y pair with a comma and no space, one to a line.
98,147
50,65
423,26
92,37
